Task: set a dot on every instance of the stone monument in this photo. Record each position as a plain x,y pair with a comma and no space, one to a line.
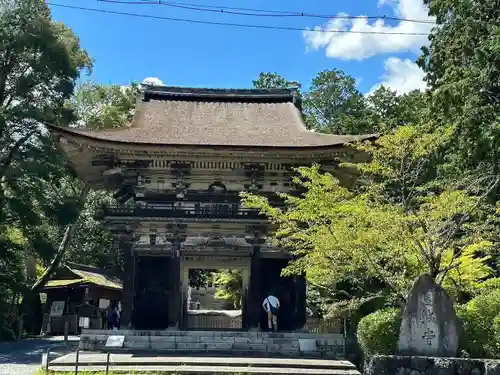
430,326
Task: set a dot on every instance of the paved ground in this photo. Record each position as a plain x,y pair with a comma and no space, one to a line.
151,361
25,357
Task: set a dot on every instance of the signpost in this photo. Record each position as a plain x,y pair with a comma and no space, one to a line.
113,342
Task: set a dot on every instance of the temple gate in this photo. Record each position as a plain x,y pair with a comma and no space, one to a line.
177,171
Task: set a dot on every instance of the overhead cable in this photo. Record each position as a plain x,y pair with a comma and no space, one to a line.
258,12
228,24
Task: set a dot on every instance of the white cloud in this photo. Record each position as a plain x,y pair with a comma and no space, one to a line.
401,75
152,81
351,46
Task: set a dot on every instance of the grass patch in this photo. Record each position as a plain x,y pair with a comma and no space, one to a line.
42,372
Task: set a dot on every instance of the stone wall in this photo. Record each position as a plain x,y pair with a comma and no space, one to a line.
398,365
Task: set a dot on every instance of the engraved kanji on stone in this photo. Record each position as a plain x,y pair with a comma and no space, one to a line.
427,299
431,315
429,326
429,336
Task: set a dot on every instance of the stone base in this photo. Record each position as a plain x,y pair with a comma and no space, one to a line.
399,365
289,344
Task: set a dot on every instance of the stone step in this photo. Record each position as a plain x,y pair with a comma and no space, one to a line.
202,364
286,344
208,370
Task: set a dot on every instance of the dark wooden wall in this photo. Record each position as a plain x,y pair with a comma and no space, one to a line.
289,290
156,293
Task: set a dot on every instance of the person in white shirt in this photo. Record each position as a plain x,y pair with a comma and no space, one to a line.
271,305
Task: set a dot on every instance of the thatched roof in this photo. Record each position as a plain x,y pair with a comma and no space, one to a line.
83,275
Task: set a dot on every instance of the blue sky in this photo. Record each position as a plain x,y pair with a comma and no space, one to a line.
129,49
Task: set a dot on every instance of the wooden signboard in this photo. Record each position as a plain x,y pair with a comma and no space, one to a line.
57,308
115,341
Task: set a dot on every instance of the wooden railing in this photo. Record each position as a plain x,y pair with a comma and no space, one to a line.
221,322
215,212
324,326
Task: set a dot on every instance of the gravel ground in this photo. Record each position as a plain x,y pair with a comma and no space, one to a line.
25,357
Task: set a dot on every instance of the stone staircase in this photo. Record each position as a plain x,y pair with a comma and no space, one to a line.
286,344
133,363
206,297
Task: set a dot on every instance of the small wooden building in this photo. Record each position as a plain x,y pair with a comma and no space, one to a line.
79,291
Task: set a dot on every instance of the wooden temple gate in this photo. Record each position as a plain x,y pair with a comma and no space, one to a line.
177,171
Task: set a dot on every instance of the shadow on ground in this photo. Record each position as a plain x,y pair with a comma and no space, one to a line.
29,351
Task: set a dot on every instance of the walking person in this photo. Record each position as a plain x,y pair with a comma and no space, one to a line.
271,305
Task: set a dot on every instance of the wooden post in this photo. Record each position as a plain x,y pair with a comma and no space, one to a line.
107,363
76,360
66,330
46,363
20,327
128,280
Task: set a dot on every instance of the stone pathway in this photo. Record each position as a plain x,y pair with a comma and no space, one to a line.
24,357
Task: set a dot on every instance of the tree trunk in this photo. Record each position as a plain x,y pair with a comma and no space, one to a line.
31,306
63,246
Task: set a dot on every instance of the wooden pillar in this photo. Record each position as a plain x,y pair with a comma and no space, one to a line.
300,301
254,297
176,296
254,291
176,304
128,292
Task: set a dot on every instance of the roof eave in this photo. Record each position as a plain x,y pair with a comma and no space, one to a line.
56,129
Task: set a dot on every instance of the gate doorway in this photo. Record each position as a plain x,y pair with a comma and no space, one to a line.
215,293
151,297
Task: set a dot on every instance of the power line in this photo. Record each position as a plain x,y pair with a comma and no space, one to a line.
252,26
258,12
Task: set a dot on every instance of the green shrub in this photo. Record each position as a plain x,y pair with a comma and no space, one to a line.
479,318
378,332
496,337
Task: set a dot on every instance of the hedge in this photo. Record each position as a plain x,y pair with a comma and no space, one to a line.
378,332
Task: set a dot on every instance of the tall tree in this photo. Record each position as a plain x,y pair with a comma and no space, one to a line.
462,70
103,106
390,110
334,105
270,81
40,63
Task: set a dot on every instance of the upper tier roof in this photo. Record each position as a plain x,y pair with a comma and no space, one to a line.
216,117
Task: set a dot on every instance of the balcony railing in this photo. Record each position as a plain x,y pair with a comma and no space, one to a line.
213,212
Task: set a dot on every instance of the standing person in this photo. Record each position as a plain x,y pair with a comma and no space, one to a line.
117,322
112,317
271,305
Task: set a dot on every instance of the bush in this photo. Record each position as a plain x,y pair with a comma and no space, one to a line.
480,319
378,332
496,336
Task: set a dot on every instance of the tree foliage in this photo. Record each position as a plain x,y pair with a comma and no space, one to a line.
334,105
269,81
462,70
229,286
103,107
388,229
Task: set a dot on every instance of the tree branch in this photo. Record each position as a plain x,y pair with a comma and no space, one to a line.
7,159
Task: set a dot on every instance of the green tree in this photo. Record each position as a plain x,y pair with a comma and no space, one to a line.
103,106
228,284
41,62
383,232
334,105
462,70
390,110
270,81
